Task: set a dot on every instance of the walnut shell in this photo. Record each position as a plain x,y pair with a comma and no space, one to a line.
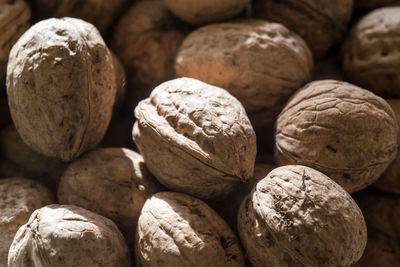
205,11
122,183
64,235
195,138
175,229
370,54
346,132
321,24
61,92
259,62
297,216
373,4
19,198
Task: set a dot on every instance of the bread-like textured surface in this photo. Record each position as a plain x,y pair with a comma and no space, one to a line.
297,216
122,182
259,62
370,54
205,11
66,235
61,87
346,132
19,198
195,138
175,229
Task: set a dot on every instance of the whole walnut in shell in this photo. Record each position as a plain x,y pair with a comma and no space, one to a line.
259,62
297,216
19,198
66,235
195,138
122,183
61,91
321,23
205,11
370,54
175,229
346,132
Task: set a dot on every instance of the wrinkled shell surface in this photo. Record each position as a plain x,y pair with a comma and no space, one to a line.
61,91
113,182
64,235
321,23
19,198
259,62
205,11
195,138
178,230
297,216
147,39
346,132
370,53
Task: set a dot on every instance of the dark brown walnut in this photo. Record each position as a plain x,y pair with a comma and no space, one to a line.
101,13
346,132
66,235
19,198
259,62
205,11
297,216
175,229
61,91
373,4
321,24
195,138
18,160
113,182
147,39
14,21
370,54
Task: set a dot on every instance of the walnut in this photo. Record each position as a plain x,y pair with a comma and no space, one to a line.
61,92
175,229
370,53
346,132
66,235
261,63
195,138
205,11
297,216
19,198
122,182
322,24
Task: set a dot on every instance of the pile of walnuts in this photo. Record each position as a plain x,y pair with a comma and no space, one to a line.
199,133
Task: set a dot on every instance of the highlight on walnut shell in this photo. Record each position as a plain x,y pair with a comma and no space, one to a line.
195,138
346,132
61,92
370,54
66,235
175,229
260,63
297,216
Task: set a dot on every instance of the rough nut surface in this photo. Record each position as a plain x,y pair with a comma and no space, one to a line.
346,132
321,23
19,198
205,11
61,87
297,216
175,229
122,184
66,235
259,62
370,54
195,138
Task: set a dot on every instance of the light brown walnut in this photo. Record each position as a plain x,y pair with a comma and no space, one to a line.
346,132
297,216
195,138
